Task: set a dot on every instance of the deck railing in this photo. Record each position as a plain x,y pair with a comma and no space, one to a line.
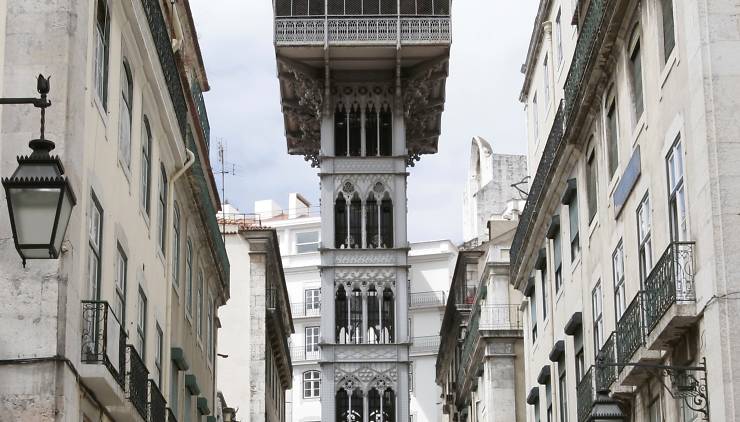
301,309
103,339
425,344
500,317
630,330
670,281
293,8
301,354
156,405
585,395
424,299
136,381
606,374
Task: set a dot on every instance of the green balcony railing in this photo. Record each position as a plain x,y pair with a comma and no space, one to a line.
200,106
630,330
471,338
607,374
585,395
136,381
157,405
670,281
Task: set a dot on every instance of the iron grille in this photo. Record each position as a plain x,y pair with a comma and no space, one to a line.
630,330
136,381
606,375
200,106
157,406
298,8
671,280
585,395
96,334
171,415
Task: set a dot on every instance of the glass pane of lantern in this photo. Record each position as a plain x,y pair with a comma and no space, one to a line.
64,213
34,211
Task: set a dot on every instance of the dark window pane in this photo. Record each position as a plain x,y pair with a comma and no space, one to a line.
340,131
669,34
386,131
371,131
355,131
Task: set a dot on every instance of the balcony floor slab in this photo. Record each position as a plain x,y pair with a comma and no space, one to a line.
101,382
632,376
676,321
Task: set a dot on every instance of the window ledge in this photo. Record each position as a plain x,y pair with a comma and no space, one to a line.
576,263
592,227
673,61
639,128
101,111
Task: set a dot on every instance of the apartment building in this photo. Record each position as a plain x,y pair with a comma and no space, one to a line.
624,243
122,326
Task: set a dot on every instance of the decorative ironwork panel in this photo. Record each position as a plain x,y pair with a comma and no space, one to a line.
136,381
425,30
630,330
200,106
98,332
300,354
670,281
421,299
162,42
585,395
369,30
606,375
299,309
299,31
500,317
157,405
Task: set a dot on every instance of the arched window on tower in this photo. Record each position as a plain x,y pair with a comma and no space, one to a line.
381,406
355,131
373,316
372,131
355,222
355,315
340,222
340,131
386,222
349,407
341,315
387,317
371,221
389,405
386,131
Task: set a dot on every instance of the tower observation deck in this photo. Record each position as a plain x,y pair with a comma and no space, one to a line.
362,85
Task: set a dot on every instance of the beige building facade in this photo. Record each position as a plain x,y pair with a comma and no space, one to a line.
123,325
624,246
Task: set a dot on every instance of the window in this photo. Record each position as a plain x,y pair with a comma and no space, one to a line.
676,193
545,290
307,242
102,44
124,117
535,118
311,384
548,397
533,316
199,307
644,238
312,340
558,258
612,137
158,356
176,246
635,78
562,391
349,125
669,34
546,81
187,407
210,343
411,376
141,325
579,356
620,299
174,387
189,278
559,39
592,175
312,301
575,241
121,270
537,412
596,302
95,241
162,208
146,167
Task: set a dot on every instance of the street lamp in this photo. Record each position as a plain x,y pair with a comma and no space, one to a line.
605,409
40,198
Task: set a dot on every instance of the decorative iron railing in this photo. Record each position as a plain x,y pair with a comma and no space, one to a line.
103,339
606,374
157,406
468,346
163,44
586,46
303,353
426,344
630,330
200,106
500,317
585,395
424,299
300,309
537,189
292,8
670,281
171,415
137,377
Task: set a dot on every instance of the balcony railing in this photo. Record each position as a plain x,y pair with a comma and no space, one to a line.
137,377
157,406
292,8
630,330
200,106
103,339
606,375
670,281
171,415
300,354
585,395
427,344
163,44
300,309
425,299
500,317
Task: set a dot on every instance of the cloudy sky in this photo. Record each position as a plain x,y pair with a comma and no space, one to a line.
490,39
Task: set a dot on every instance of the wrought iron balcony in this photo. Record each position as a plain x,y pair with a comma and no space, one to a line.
156,405
171,415
426,344
304,310
630,330
427,299
293,8
103,339
606,375
500,317
301,354
200,106
585,395
137,377
671,281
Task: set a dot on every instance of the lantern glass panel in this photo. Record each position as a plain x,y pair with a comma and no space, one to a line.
65,211
34,213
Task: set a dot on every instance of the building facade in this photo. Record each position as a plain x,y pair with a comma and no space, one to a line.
122,326
480,365
624,243
362,93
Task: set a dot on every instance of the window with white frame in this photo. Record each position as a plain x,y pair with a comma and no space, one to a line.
95,240
575,238
545,289
102,45
210,342
559,38
312,340
548,397
124,116
146,166
558,260
306,242
199,307
533,316
189,278
644,238
634,68
676,193
312,301
535,118
580,358
562,390
668,27
592,195
158,356
141,325
546,81
620,298
162,230
612,137
597,309
311,384
176,246
121,273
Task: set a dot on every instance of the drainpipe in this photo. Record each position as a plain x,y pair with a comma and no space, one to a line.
166,365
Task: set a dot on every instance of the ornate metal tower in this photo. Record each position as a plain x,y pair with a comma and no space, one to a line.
362,85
